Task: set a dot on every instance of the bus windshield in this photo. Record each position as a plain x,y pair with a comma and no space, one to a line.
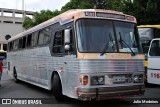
94,35
146,35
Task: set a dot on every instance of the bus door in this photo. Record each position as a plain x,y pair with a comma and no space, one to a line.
153,73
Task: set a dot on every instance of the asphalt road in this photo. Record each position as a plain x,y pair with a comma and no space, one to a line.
10,89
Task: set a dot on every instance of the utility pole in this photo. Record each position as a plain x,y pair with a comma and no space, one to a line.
23,7
23,12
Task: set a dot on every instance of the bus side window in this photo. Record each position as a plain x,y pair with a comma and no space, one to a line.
10,46
34,39
29,40
20,43
24,42
58,45
44,35
15,45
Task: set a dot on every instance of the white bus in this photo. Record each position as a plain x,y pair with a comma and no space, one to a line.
83,54
153,70
147,33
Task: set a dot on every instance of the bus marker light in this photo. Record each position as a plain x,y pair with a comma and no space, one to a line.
85,80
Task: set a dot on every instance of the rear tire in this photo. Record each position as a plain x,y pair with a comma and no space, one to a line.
15,76
57,88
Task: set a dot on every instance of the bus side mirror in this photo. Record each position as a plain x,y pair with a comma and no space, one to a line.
67,36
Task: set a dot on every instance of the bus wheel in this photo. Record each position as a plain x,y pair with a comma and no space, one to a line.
57,88
15,75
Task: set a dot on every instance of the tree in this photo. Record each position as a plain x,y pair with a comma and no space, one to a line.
145,11
39,17
28,23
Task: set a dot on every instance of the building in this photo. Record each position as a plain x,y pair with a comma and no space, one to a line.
11,21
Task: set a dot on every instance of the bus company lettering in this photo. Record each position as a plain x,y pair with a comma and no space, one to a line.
155,75
92,14
14,101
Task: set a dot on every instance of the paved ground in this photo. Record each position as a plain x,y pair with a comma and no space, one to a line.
10,89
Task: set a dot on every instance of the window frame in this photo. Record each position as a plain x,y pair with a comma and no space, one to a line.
72,45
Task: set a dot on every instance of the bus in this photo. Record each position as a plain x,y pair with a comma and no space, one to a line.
147,33
86,54
153,74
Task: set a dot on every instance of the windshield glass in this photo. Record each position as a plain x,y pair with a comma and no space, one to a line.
146,35
95,35
127,32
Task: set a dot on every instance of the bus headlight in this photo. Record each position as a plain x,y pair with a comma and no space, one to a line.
97,80
138,78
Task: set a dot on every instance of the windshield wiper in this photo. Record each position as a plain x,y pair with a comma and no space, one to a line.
106,46
122,41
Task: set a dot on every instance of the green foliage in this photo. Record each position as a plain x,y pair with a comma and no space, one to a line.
28,23
146,11
39,17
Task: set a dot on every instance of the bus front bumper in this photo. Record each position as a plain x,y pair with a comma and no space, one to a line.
110,92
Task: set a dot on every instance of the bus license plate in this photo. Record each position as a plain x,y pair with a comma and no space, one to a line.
119,79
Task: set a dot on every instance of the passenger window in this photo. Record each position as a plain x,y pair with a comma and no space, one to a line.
15,45
24,42
11,46
8,46
20,43
29,40
34,39
44,35
40,39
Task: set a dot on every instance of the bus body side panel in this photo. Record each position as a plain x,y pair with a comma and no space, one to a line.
31,65
36,66
153,72
67,68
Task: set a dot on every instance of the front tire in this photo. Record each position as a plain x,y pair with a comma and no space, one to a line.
57,88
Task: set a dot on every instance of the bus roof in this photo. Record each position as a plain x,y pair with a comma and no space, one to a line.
149,26
74,14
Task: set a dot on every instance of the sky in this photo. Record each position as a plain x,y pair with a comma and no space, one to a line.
33,5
